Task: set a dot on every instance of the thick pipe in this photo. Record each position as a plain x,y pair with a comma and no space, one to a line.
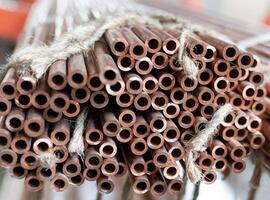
60,134
59,101
73,110
34,125
157,121
109,167
21,143
15,120
155,141
80,95
99,99
8,85
144,66
142,101
24,101
5,107
93,159
57,77
51,116
126,63
172,132
141,128
150,84
72,166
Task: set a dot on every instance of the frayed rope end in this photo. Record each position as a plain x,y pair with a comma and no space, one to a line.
48,160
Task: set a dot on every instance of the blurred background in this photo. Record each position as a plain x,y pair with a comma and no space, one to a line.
13,14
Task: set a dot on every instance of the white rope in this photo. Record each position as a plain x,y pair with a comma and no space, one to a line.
48,160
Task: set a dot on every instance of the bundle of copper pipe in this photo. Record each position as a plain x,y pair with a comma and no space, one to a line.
143,110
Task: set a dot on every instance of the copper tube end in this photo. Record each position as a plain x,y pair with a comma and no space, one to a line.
172,132
125,135
171,171
151,168
141,185
161,158
42,145
21,143
209,177
258,108
93,159
138,146
166,81
125,63
186,136
158,188
26,84
178,95
185,82
8,85
29,160
155,141
245,60
256,140
73,110
99,99
142,101
23,101
204,95
93,136
51,116
77,180
170,45
60,182
32,183
157,122
175,150
220,164
205,77
160,60
221,85
110,125
80,95
40,99
220,99
45,173
190,103
236,150
134,83
138,166
260,93
141,128
218,149
186,119
126,117
247,90
105,185
15,120
18,171
236,100
5,107
150,84
60,134
256,78
124,100
57,77
72,166
109,167
59,102
159,100
61,153
174,63
221,67
108,148
5,138
254,124
8,158
144,66
117,88
91,174
230,52
228,133
241,120
34,124
229,120
238,166
94,83
205,161
176,186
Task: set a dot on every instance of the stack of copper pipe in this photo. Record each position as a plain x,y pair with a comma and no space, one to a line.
143,110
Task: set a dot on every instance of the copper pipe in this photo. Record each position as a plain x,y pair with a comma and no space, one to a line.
8,85
209,177
218,149
158,186
117,88
170,44
57,76
171,171
241,120
20,143
72,166
221,67
99,99
18,171
23,101
208,110
236,100
26,84
138,146
172,132
73,110
220,165
91,174
171,111
256,78
211,54
137,164
33,183
45,173
126,63
247,105
256,140
227,51
241,134
15,120
159,100
109,167
118,44
142,101
105,184
260,93
156,121
196,47
229,120
106,67
141,184
42,145
137,48
60,182
34,125
5,135
93,82
29,160
174,63
80,95
166,81
175,150
151,41
59,101
144,66
151,167
236,150
61,153
199,123
77,72
93,134
107,148
93,159
150,84
186,136
247,90
175,186
204,95
60,134
205,161
126,117
258,108
178,95
160,60
124,100
221,85
161,157
248,148
110,125
205,77
228,133
238,166
77,180
134,83
186,83
51,116
220,99
234,74
5,107
186,119
245,60
125,135
254,123
8,158
141,128
155,141
41,97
